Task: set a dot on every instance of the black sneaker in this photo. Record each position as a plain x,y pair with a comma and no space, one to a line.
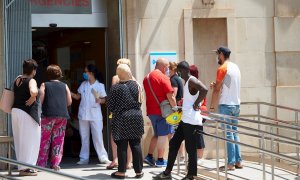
163,176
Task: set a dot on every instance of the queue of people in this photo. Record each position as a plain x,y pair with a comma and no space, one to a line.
41,115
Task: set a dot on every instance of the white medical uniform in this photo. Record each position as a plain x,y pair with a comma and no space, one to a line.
90,119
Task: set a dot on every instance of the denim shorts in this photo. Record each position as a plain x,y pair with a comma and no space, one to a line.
160,126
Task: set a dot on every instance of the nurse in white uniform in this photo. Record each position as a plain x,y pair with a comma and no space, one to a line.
92,94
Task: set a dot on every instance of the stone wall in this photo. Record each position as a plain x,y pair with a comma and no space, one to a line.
263,37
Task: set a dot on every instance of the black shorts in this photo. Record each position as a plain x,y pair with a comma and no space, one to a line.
200,142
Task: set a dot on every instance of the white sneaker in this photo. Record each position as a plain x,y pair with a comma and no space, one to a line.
104,161
83,162
199,162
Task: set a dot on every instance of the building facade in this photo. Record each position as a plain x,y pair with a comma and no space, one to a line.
262,35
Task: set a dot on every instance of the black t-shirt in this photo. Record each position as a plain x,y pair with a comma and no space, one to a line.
177,82
22,94
55,101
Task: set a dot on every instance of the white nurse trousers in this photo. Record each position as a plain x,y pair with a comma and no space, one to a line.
96,129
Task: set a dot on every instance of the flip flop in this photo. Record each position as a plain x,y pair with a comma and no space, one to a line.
114,175
139,176
239,167
112,166
222,168
28,172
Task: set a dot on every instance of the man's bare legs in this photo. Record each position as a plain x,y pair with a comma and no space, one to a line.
199,156
161,143
153,144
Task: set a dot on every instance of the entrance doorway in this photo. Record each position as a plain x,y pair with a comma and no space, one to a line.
72,49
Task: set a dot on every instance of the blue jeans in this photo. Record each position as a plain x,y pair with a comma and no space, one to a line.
233,150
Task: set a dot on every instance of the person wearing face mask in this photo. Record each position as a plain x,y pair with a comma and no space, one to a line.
228,85
92,94
161,86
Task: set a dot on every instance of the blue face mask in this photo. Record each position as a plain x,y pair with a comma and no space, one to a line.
85,76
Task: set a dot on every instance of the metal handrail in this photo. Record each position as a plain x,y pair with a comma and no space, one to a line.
288,158
270,104
58,173
290,127
268,118
290,142
219,119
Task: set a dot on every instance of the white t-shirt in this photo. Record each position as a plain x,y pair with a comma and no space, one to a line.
89,110
189,115
230,76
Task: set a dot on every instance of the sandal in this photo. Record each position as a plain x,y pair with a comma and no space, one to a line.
28,172
112,166
222,168
55,168
238,166
139,176
114,175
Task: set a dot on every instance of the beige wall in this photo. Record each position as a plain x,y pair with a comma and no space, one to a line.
263,36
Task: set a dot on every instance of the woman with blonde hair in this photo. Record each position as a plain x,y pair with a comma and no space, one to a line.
124,101
113,164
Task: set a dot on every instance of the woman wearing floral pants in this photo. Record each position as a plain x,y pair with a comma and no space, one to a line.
55,97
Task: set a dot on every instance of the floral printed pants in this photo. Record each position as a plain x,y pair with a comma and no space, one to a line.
53,134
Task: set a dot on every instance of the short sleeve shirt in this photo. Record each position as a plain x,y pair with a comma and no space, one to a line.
88,108
161,86
177,82
229,75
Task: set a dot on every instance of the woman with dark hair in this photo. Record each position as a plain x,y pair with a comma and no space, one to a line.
55,98
26,115
92,94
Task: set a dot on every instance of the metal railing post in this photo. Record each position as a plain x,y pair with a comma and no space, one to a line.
217,150
9,157
225,150
263,157
297,137
259,128
272,149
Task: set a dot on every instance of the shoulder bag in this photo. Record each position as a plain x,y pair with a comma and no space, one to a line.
165,106
7,99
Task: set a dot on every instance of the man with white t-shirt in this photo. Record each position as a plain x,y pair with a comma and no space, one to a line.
228,83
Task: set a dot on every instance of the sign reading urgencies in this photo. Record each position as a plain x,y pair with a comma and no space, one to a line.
61,6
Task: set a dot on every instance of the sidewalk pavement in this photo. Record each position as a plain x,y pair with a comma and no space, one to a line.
251,171
90,171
